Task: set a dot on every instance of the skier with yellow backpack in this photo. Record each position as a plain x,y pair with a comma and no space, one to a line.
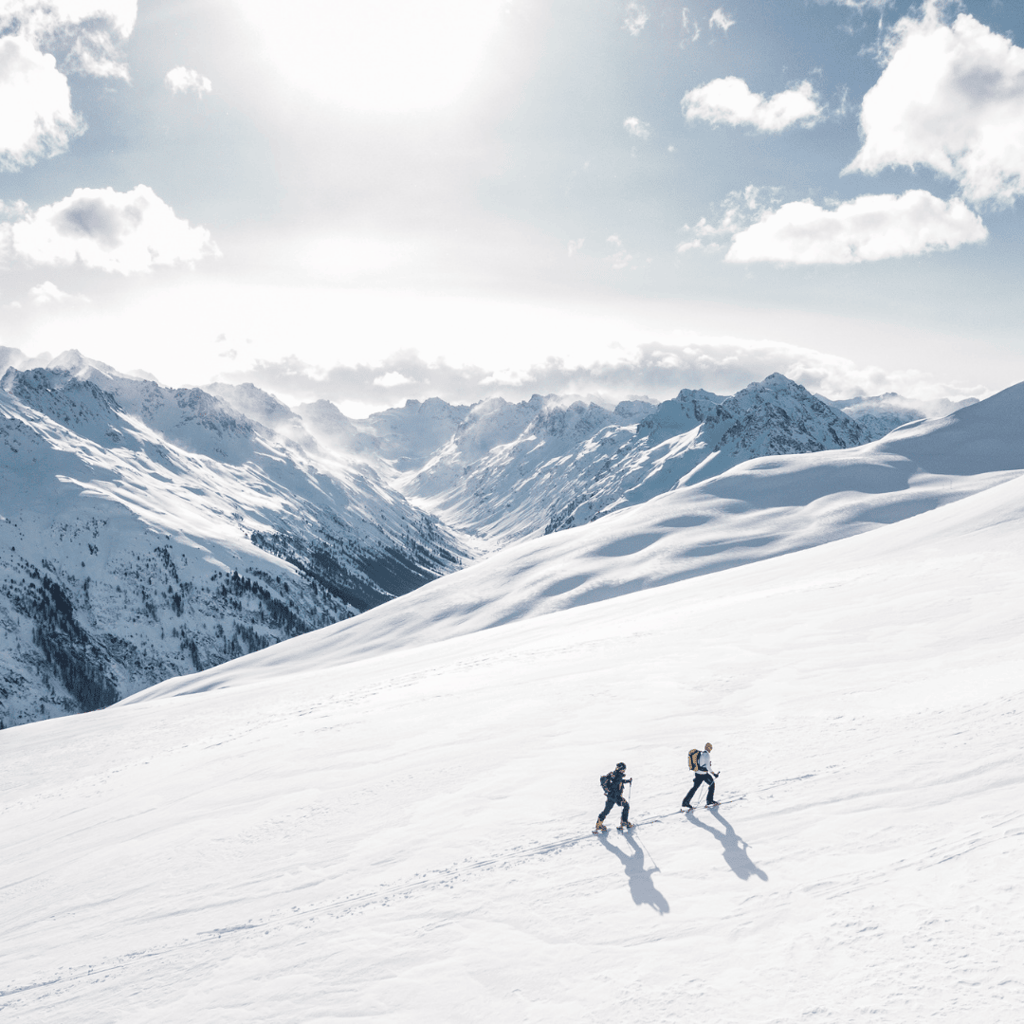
700,765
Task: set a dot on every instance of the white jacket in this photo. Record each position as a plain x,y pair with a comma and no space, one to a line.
704,762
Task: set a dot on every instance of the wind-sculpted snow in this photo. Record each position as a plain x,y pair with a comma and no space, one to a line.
408,839
146,531
758,510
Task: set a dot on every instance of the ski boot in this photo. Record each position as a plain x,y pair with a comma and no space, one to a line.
600,827
625,826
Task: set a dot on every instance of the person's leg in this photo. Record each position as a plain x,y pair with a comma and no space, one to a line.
625,810
609,804
697,780
711,789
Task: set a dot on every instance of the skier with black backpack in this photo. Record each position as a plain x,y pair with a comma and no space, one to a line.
700,765
612,784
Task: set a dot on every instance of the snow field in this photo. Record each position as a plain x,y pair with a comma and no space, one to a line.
407,838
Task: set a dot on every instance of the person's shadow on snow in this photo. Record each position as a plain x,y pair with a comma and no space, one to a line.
734,849
641,885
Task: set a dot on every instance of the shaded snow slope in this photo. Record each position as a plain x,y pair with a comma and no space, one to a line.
407,839
758,510
146,532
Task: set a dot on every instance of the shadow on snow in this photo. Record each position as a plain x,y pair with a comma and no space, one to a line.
734,849
641,884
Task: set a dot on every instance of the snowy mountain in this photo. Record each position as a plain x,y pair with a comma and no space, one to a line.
510,471
882,413
146,531
760,509
408,840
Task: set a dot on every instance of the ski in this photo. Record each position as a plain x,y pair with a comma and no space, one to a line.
704,807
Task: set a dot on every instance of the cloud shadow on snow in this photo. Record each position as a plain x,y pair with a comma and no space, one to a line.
641,884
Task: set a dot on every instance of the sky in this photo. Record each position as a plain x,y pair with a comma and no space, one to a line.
374,202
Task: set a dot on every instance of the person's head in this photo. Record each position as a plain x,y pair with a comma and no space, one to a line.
707,747
620,767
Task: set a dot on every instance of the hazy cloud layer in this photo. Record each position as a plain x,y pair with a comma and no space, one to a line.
951,98
730,101
656,370
122,232
866,228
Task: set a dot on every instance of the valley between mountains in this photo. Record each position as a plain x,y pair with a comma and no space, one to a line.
149,532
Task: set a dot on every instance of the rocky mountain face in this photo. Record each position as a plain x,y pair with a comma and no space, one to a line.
147,532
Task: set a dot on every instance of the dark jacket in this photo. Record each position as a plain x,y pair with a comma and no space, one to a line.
613,783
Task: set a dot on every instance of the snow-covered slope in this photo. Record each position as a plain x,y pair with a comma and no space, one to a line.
760,509
515,471
408,840
146,531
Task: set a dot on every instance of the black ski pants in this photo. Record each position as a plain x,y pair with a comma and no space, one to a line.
613,799
697,780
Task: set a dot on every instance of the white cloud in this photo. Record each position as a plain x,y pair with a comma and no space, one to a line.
636,18
122,232
400,56
691,30
48,292
741,209
91,30
392,379
120,14
866,228
719,19
36,119
641,129
620,259
951,98
96,53
859,5
182,79
730,101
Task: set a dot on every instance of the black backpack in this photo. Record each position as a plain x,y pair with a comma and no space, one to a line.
608,783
